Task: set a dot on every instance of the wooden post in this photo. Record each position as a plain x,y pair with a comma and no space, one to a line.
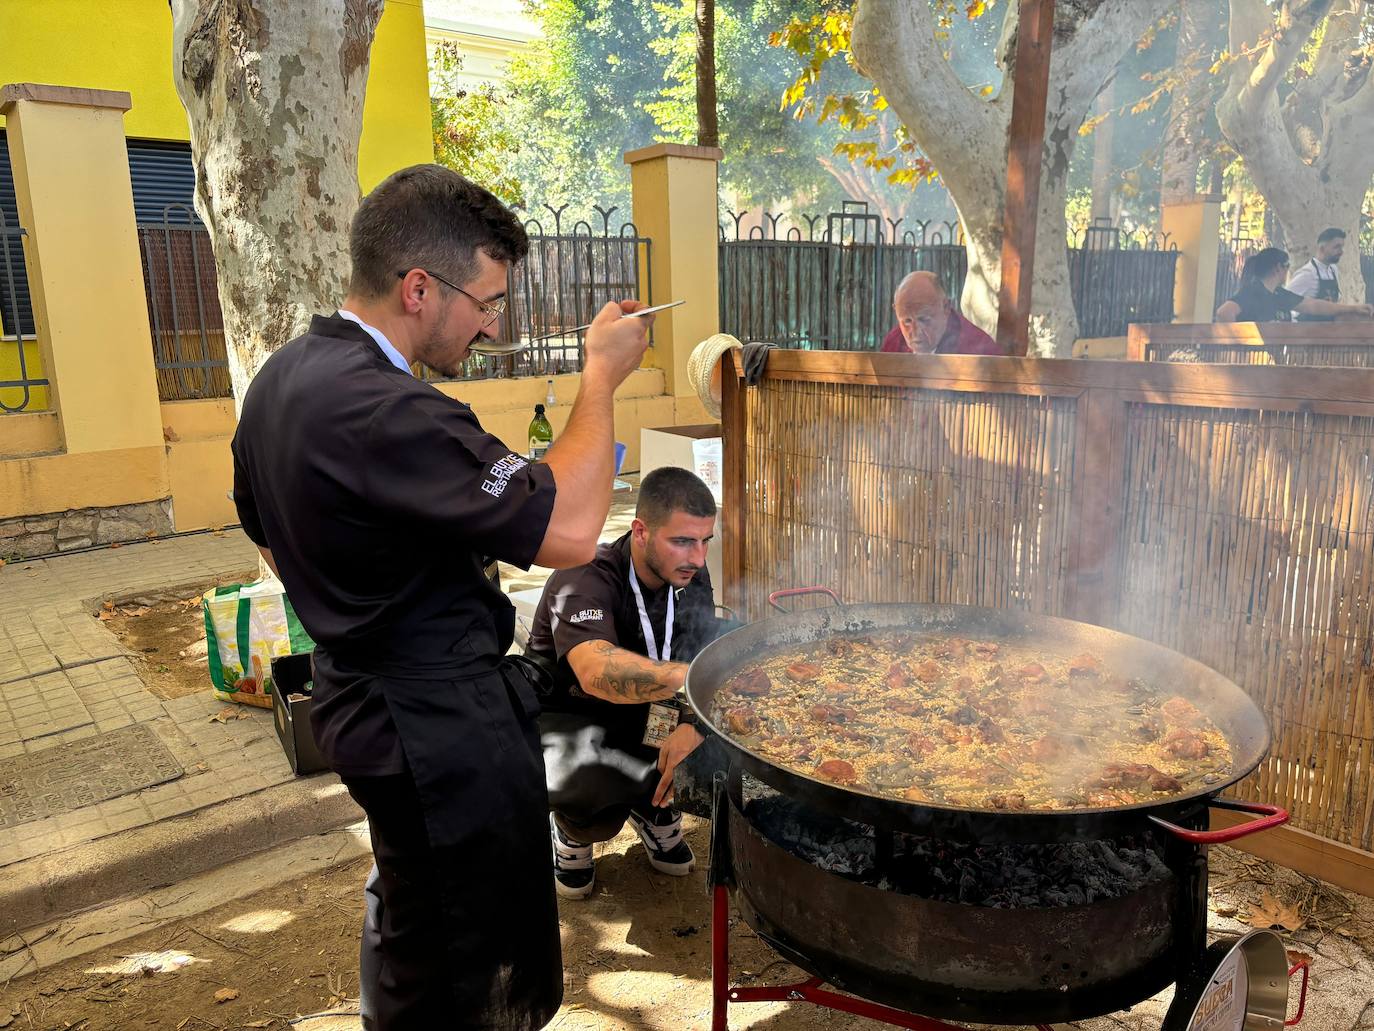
1025,145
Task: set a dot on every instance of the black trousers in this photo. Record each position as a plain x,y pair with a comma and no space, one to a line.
597,769
423,912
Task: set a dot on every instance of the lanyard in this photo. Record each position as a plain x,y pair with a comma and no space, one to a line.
650,641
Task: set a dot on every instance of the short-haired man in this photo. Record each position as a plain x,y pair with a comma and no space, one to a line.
1318,277
616,636
927,322
378,499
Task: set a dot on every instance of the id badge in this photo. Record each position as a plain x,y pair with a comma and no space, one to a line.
662,722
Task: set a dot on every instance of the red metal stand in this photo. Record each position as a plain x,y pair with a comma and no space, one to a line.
812,990
1302,996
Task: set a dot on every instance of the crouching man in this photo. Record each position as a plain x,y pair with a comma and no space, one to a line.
615,637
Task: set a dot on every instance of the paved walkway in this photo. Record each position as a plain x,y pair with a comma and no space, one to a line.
65,678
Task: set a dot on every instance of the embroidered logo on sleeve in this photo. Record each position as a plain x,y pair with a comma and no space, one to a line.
501,473
587,614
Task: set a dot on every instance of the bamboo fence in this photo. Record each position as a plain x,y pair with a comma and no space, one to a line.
1223,511
1343,344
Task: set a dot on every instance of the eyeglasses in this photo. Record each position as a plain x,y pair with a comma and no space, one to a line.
491,310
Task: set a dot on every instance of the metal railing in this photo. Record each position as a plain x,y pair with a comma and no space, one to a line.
183,307
17,330
1117,279
827,282
1231,257
828,285
568,275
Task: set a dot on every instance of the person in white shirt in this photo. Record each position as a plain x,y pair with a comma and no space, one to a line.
1318,277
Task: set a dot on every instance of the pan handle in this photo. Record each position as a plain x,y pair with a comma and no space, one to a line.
794,592
1270,816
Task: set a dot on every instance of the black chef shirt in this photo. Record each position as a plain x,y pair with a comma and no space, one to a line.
379,496
594,603
1259,304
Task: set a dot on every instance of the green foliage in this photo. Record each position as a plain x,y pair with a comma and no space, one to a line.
831,89
472,131
614,75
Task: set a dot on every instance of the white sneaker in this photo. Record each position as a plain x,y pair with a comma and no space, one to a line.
667,851
574,869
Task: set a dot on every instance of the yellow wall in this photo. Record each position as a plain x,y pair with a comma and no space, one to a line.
1099,347
127,45
1191,226
95,479
33,367
674,199
26,434
85,275
198,432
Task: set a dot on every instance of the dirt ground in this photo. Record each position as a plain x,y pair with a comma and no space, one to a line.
637,956
166,634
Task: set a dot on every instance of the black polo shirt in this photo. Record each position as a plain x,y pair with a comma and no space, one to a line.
1258,303
379,497
594,603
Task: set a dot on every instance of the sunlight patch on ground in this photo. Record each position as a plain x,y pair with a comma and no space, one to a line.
148,962
260,921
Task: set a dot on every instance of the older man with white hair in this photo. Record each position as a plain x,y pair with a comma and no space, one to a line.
927,322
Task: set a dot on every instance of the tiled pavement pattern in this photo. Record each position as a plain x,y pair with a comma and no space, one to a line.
65,677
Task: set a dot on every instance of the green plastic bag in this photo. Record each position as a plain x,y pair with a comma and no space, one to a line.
246,627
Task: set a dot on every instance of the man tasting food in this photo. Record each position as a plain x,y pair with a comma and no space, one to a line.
377,500
616,636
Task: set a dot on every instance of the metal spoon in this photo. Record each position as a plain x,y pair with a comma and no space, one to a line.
493,349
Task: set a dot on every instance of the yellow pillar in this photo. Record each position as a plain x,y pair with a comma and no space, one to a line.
1193,224
71,180
674,194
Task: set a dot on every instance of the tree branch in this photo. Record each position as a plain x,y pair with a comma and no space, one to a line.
1280,42
1085,64
1347,121
1249,112
958,130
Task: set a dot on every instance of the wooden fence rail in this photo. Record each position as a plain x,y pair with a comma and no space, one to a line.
1224,511
1347,344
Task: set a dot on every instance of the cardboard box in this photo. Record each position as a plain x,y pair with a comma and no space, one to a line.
680,446
292,677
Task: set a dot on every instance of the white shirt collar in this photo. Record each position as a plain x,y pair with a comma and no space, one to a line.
394,356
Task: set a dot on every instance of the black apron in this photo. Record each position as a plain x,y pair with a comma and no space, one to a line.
471,741
1327,290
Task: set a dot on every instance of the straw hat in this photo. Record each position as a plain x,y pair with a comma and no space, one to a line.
701,364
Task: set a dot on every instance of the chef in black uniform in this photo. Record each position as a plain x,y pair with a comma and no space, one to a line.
616,636
376,498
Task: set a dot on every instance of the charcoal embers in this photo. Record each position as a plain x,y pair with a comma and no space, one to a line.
996,876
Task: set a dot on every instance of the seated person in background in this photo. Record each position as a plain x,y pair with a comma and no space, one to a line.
614,638
1261,298
928,324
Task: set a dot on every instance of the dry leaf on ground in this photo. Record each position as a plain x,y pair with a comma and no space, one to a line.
1271,914
1295,957
226,995
228,713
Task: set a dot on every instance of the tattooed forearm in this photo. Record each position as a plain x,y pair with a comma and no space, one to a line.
618,675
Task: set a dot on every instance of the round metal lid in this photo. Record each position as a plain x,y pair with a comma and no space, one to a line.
1240,984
